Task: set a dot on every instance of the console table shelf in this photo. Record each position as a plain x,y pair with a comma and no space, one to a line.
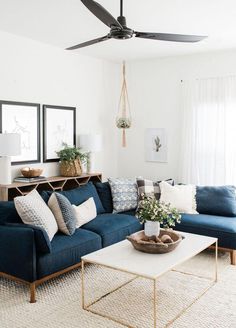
8,192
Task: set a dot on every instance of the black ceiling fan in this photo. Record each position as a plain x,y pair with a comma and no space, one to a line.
119,29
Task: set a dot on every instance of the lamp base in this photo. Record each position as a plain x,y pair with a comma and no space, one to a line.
5,170
90,163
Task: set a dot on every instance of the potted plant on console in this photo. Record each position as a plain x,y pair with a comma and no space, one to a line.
70,160
153,213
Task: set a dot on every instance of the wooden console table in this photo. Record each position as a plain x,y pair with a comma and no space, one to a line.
8,192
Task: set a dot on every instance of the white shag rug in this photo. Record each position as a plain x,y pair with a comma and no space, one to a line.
59,300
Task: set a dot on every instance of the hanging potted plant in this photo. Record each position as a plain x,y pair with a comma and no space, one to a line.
153,214
123,120
71,159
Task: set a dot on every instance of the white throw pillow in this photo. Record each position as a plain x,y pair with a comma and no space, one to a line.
182,197
85,212
33,210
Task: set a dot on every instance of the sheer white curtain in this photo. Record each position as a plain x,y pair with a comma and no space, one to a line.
208,154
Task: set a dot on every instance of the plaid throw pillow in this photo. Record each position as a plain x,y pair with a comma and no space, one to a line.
150,188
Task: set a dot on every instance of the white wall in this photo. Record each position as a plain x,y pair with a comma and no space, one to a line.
34,72
154,91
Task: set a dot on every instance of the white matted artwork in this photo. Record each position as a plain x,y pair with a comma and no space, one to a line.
156,145
22,118
58,129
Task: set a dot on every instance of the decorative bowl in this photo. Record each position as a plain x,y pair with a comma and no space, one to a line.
141,245
28,172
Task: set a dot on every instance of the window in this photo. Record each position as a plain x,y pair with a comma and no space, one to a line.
209,132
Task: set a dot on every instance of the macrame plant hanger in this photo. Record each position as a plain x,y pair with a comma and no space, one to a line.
123,120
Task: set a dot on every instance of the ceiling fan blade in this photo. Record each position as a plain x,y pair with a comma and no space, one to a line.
170,37
89,43
101,13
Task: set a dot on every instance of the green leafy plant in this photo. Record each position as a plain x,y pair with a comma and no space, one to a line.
69,154
123,123
150,209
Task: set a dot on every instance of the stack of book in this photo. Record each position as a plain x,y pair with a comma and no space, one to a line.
35,179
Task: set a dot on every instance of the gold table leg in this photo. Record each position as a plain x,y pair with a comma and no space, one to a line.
155,303
82,279
87,307
216,261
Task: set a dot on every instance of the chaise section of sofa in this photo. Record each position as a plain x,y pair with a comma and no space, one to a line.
223,228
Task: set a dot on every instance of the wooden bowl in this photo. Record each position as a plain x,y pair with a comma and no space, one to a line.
28,172
155,248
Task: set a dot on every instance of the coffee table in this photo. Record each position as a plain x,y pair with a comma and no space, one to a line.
123,257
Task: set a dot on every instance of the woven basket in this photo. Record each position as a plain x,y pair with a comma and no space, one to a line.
71,169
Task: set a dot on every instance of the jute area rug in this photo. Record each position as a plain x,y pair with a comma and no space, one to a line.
59,300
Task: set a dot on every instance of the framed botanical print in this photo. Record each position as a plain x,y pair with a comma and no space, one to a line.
22,118
59,126
156,145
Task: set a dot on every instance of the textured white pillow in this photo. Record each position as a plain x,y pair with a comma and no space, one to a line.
33,210
85,212
182,197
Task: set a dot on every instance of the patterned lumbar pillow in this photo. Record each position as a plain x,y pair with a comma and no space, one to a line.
182,197
33,210
148,188
124,194
63,212
85,212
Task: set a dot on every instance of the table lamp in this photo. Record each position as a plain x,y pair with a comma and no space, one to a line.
91,143
10,145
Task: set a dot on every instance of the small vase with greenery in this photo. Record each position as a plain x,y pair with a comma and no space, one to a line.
70,160
153,213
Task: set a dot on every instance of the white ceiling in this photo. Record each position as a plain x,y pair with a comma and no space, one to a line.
64,23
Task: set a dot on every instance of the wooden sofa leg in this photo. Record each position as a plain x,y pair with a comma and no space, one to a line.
233,257
32,292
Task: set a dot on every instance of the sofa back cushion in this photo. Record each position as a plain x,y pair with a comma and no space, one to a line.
8,213
79,195
216,200
104,192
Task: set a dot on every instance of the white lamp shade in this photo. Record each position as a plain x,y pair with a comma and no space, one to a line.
10,144
91,142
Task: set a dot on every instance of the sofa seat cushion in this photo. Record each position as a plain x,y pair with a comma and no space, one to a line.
67,251
130,212
223,228
104,192
113,227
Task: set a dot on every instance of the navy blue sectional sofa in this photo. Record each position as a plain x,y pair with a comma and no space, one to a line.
27,255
